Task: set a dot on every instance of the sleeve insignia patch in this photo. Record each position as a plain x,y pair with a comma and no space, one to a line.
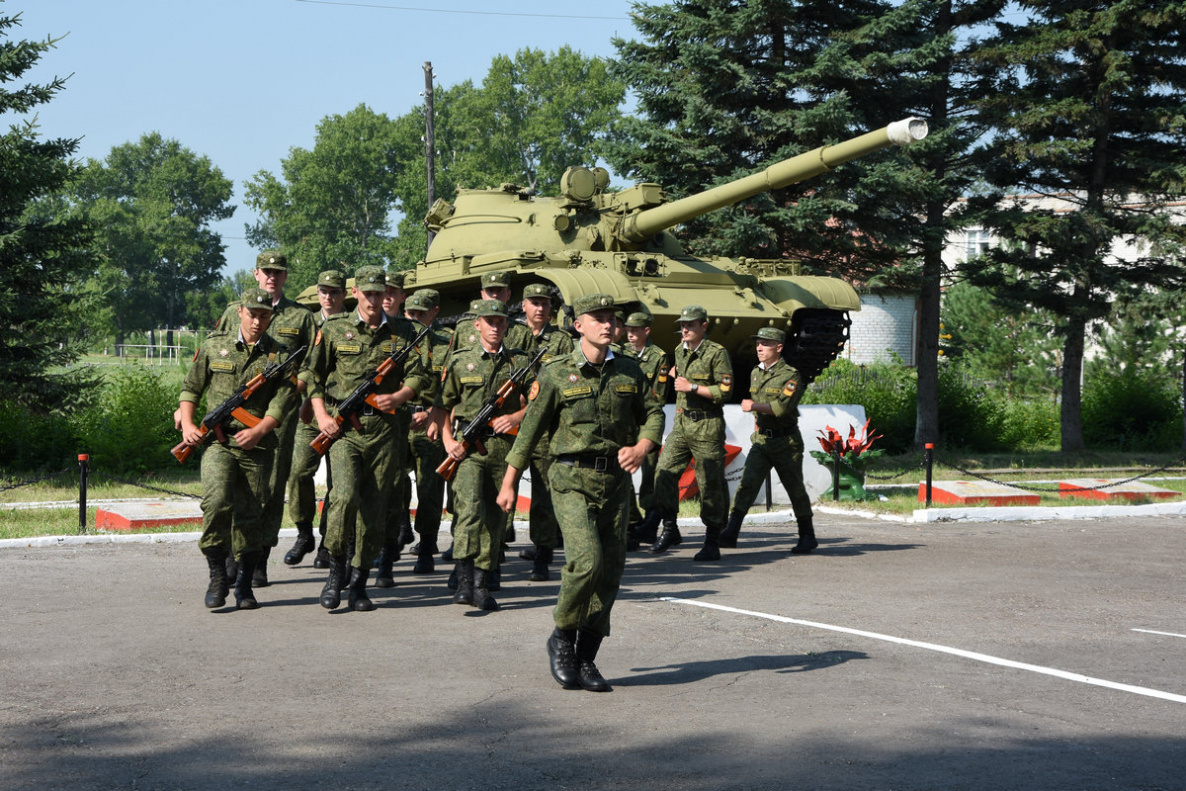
317,340
726,383
789,389
534,390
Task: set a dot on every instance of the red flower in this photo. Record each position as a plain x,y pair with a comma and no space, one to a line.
830,439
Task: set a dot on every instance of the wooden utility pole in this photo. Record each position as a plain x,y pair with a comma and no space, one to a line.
429,143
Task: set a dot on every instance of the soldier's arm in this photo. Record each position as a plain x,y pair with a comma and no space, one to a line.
721,379
788,398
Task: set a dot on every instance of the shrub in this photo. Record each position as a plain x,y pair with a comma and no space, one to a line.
130,428
35,441
970,417
1031,425
886,391
1132,410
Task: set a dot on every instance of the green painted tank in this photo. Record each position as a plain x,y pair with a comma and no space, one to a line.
591,240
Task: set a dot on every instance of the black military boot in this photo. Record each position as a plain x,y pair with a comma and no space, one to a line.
494,579
321,559
539,568
647,531
358,600
528,553
244,597
728,537
464,571
588,676
259,577
807,540
447,555
232,568
425,562
670,537
406,535
331,594
482,598
304,544
219,587
383,566
711,549
563,657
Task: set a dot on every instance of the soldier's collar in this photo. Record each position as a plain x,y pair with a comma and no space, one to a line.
360,321
702,340
579,356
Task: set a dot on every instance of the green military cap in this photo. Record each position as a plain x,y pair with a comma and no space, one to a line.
489,307
424,299
271,259
395,279
639,319
771,334
693,313
537,290
370,278
620,315
332,278
256,298
496,280
588,303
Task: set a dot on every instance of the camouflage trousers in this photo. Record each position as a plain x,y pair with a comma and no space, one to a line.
302,492
785,455
397,512
273,514
644,500
478,522
591,508
362,469
543,528
425,456
703,441
234,487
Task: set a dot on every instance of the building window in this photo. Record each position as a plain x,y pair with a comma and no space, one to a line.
976,242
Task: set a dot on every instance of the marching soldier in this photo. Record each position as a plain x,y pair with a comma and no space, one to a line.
602,417
655,363
471,378
775,390
348,348
235,476
703,378
302,494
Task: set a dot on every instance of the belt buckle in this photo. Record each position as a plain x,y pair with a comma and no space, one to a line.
601,463
768,433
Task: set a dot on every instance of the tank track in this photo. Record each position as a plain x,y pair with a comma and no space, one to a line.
816,339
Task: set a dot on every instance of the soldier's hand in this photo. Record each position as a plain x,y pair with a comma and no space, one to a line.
328,426
504,424
683,385
248,438
177,420
747,405
507,497
456,449
191,433
388,402
631,456
419,421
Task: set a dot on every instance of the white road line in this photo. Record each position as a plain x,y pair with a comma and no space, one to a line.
992,660
1167,634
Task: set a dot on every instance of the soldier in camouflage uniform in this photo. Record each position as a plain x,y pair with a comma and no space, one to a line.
348,347
471,378
292,327
775,390
603,418
537,332
703,379
235,476
302,494
655,364
427,452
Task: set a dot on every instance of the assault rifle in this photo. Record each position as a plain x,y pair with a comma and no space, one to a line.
364,394
233,406
471,435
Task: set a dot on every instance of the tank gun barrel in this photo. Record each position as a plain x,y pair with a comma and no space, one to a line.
648,222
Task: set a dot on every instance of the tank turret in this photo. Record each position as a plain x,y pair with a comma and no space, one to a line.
591,240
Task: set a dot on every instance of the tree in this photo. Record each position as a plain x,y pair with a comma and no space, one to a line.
42,250
332,205
1089,122
204,307
151,203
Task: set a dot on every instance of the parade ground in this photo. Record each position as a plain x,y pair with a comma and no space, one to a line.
1019,655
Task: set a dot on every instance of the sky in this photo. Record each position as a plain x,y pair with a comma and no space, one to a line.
244,81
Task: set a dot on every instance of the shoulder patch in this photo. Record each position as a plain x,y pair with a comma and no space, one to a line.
317,340
788,389
534,390
726,383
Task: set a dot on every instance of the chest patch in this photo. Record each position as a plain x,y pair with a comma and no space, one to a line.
470,380
222,366
626,388
349,348
573,377
574,392
288,330
772,391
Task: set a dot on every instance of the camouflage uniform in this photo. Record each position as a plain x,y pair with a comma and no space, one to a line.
590,412
292,327
698,433
472,377
544,530
234,481
347,349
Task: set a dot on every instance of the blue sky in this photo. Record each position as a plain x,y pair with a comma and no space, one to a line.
243,81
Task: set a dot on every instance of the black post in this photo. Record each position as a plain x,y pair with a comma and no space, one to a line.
769,494
929,455
82,470
836,474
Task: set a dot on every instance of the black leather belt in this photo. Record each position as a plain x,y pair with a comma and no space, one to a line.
369,411
702,414
415,409
771,433
588,462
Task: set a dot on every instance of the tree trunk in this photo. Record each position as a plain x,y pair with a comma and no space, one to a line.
1072,393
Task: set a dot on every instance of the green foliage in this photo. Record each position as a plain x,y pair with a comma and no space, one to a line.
130,427
885,390
970,418
34,440
1133,410
1030,425
43,305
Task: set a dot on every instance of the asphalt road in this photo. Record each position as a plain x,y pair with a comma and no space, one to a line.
969,656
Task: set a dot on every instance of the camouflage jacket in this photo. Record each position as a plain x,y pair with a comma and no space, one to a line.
347,349
780,386
473,375
708,366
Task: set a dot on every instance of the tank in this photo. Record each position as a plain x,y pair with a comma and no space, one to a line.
592,240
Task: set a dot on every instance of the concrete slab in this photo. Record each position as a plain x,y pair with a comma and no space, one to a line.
131,516
1100,489
975,493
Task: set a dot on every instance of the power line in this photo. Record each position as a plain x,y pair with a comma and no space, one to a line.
456,11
